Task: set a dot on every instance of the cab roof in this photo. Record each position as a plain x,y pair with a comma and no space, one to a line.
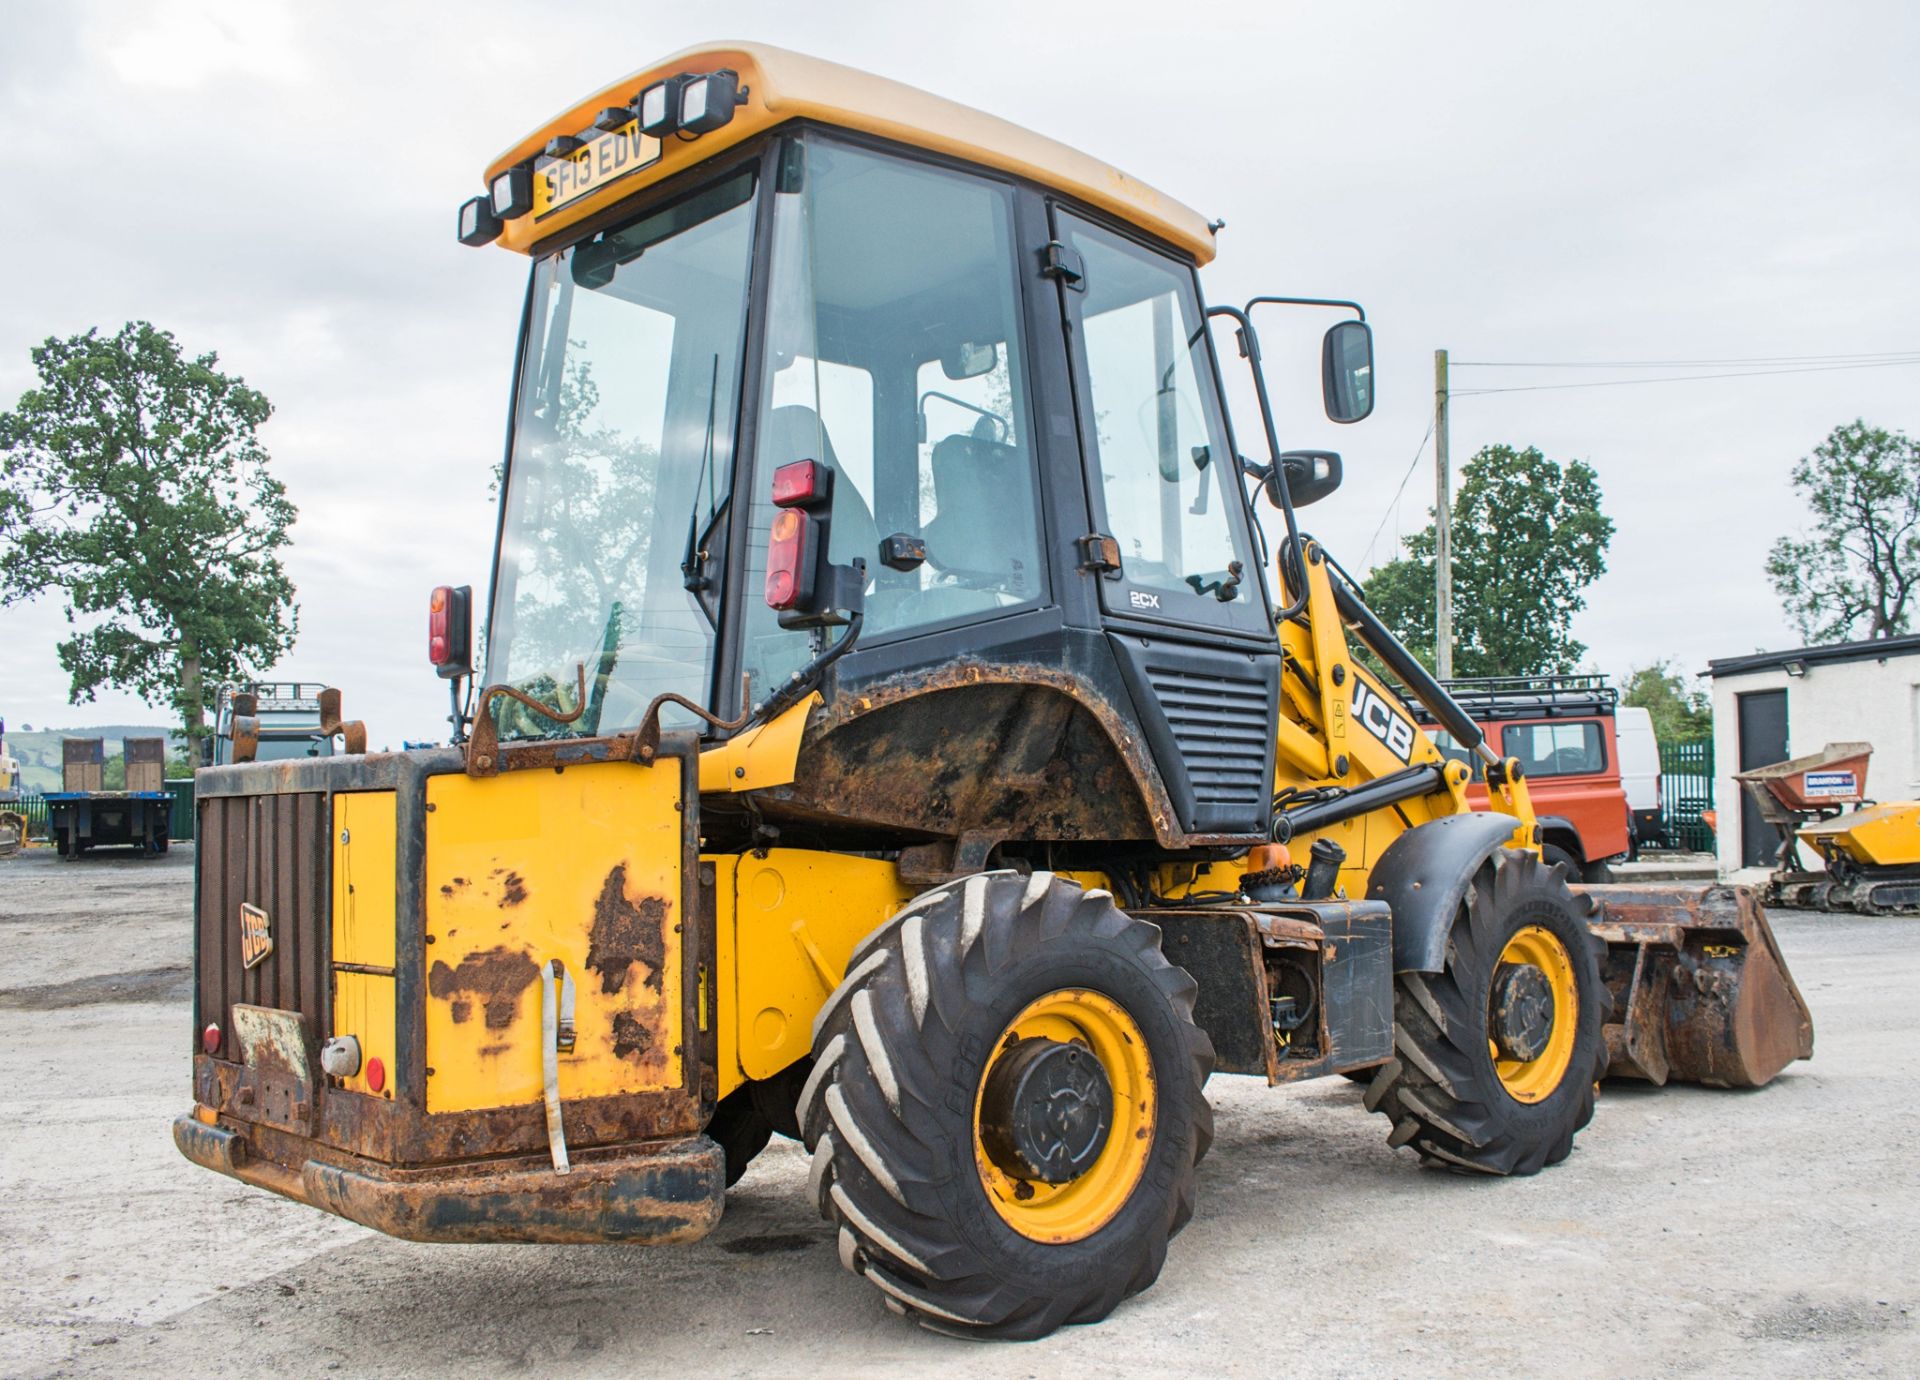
780,86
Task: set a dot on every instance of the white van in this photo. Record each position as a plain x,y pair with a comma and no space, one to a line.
1640,774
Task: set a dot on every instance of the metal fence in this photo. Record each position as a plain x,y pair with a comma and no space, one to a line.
34,807
1686,788
180,822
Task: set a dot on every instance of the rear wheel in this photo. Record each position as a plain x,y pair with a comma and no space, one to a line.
1006,1106
1496,1056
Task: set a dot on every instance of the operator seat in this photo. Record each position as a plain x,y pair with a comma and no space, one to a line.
982,531
795,432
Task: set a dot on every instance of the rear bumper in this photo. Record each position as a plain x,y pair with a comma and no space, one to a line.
659,1193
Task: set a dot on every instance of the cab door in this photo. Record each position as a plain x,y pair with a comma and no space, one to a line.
1185,607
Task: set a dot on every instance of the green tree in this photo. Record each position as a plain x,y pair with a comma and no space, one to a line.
1680,710
1855,574
133,479
1528,538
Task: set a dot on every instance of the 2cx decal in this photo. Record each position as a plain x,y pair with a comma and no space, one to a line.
1382,720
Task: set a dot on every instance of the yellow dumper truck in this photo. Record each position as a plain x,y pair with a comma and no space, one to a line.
896,732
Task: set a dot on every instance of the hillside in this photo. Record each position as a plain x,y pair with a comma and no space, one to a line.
39,752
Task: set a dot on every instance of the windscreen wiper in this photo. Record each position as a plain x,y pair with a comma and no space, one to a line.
693,562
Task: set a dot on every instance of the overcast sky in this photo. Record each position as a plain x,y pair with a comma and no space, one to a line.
277,182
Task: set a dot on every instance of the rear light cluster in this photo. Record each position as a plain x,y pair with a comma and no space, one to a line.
793,546
449,630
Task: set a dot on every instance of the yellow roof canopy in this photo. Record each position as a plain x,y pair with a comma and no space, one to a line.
779,86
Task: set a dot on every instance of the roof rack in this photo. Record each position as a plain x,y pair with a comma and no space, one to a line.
1530,697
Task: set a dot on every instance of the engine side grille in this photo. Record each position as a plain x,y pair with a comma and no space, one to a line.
269,851
1222,728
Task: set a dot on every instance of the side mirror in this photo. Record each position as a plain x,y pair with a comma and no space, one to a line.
1346,372
967,360
1311,476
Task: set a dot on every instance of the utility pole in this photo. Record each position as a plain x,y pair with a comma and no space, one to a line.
1442,525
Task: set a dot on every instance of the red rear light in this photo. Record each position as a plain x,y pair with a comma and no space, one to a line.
439,642
789,548
210,1039
803,481
376,1074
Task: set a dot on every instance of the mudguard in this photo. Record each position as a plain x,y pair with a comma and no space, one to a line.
1423,876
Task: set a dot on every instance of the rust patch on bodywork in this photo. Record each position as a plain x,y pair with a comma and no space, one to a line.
513,887
496,977
995,750
626,932
631,1037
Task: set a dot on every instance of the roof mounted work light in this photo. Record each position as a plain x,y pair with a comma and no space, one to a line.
707,102
512,192
659,106
478,223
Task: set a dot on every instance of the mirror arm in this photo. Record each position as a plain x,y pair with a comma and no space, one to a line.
1354,307
1291,549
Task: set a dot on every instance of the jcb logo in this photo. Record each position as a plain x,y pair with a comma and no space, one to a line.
1382,720
256,936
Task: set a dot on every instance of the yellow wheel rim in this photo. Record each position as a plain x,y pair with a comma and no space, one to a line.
1534,1080
1076,1209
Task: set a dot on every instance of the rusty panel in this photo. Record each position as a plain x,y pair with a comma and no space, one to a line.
268,851
583,865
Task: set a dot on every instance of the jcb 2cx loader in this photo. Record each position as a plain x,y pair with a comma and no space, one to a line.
894,733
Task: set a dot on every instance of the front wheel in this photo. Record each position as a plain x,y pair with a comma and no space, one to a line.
1496,1056
1006,1106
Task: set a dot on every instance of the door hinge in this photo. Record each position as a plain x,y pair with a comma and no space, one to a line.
1058,261
1099,553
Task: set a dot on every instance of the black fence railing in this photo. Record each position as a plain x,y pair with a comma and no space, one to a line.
1686,789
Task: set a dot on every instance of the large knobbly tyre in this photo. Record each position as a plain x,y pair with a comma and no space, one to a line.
1495,1058
1006,1106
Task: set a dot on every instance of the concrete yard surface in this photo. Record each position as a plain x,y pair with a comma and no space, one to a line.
1693,1232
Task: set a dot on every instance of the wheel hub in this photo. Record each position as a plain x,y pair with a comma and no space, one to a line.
1522,1011
1046,1110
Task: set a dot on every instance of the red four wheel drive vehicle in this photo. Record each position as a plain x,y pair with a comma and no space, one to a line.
1561,728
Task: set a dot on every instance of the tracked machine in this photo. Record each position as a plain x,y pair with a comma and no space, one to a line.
895,733
1867,856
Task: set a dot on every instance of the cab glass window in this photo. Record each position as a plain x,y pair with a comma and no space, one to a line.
621,452
1556,749
893,359
1165,472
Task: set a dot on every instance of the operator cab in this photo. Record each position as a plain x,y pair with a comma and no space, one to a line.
1014,466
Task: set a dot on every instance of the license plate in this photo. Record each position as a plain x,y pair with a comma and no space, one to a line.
602,159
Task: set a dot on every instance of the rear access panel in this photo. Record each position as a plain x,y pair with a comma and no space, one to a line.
583,865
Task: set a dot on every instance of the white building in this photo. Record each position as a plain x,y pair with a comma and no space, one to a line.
1776,705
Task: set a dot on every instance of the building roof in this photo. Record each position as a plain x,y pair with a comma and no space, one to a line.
1872,649
782,86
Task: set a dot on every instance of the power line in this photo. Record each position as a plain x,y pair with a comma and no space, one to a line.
1872,355
1394,505
1683,378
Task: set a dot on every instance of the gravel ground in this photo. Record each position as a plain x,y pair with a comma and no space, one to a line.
1693,1232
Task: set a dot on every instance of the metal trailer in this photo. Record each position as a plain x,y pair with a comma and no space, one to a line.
82,820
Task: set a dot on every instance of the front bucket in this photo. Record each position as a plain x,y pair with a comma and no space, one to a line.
1700,991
